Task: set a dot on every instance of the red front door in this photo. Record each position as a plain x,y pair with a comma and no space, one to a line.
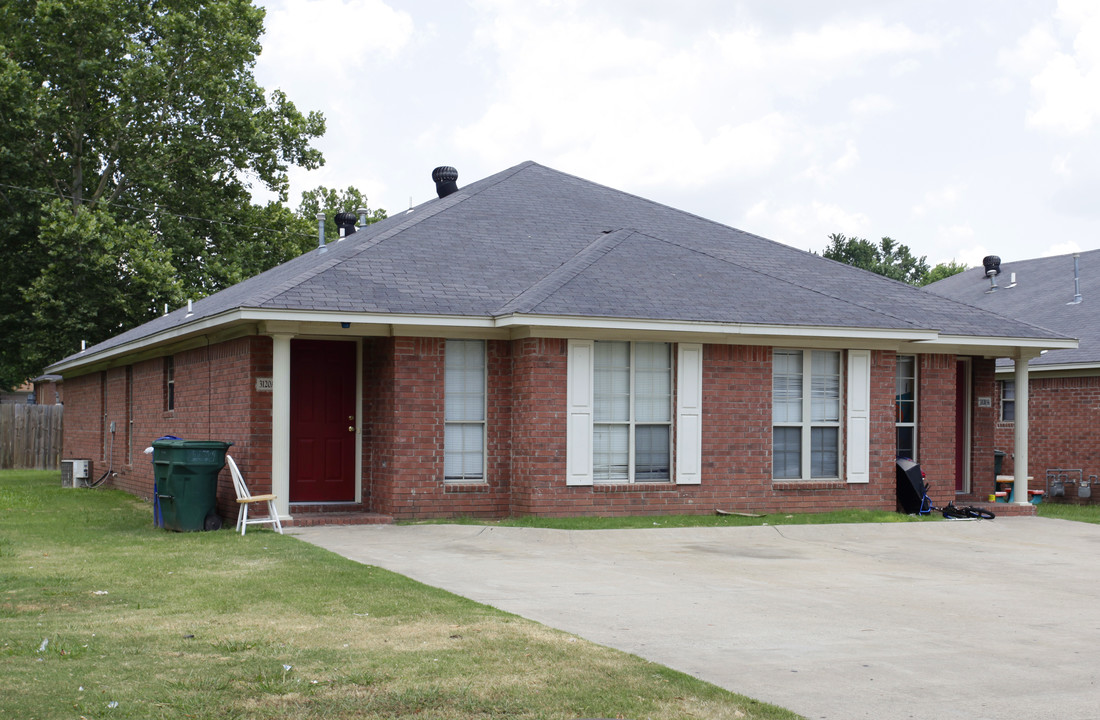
322,421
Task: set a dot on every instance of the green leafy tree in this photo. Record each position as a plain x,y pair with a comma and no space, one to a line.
331,201
97,275
146,117
941,271
889,258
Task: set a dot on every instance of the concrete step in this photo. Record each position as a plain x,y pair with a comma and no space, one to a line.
312,519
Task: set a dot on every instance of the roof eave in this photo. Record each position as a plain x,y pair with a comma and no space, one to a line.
992,346
261,320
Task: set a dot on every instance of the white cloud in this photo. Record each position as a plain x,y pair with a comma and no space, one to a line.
628,102
941,198
806,225
1062,66
331,39
971,256
1064,248
871,105
845,162
905,66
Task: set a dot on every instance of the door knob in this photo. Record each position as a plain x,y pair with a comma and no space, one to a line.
351,428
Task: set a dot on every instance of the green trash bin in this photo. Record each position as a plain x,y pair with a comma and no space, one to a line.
186,473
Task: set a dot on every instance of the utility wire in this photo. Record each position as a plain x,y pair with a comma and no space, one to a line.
157,211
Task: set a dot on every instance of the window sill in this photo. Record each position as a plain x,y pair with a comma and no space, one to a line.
797,485
469,486
633,487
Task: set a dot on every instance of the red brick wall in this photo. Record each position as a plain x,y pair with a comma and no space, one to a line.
982,421
538,423
1063,417
403,409
48,392
936,424
83,420
736,444
215,399
403,430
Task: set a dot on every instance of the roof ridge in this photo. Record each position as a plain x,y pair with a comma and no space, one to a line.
568,270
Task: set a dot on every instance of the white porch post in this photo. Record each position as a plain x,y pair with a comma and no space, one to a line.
280,422
1021,422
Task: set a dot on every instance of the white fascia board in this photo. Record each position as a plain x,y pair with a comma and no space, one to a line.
1067,369
977,342
164,336
711,328
274,318
557,325
338,316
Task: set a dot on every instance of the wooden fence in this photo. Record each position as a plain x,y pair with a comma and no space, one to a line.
30,436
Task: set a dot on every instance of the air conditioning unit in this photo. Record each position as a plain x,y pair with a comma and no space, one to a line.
74,473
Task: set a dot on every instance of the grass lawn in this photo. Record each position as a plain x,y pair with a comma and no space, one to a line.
104,616
1066,511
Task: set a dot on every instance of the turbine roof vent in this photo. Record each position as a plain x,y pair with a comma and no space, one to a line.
445,178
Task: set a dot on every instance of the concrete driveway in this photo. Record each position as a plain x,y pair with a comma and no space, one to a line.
995,620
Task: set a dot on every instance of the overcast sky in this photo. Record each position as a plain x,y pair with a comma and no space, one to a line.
961,128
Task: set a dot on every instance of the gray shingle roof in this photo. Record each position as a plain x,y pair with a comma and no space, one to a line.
531,240
1043,296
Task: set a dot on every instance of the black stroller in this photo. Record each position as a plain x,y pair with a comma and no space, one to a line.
912,491
913,496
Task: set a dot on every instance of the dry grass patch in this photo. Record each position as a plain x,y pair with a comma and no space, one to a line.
144,624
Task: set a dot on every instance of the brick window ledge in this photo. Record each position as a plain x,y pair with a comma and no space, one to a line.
633,487
797,485
466,487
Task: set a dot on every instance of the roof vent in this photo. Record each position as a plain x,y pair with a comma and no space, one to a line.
1076,281
345,221
992,265
445,178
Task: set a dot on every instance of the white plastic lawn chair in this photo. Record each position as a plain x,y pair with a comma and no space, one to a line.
245,499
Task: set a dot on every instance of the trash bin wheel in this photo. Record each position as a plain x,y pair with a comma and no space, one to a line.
213,521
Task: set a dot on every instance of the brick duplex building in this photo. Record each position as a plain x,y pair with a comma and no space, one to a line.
1061,293
534,343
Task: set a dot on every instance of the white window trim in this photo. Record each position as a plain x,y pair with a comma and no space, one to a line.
632,423
916,405
484,422
1004,384
806,424
687,426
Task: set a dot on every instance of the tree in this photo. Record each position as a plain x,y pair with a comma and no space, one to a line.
143,121
889,258
99,275
941,271
332,201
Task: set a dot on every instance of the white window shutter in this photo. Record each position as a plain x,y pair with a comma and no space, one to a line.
578,452
689,414
858,430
